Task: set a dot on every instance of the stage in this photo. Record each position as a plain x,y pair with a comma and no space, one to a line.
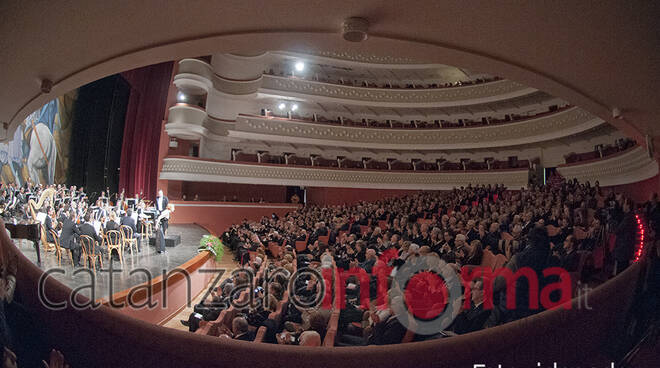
148,260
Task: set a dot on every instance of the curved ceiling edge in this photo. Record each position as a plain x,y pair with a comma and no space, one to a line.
251,40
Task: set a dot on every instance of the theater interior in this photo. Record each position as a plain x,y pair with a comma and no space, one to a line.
320,184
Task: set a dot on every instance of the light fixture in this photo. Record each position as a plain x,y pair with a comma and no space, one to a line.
294,107
281,106
355,29
181,97
300,66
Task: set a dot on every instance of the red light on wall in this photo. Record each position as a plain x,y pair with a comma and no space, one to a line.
640,245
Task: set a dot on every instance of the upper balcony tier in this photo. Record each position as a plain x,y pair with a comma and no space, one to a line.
557,125
195,74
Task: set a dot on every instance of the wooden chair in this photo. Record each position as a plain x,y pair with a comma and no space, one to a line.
113,241
58,249
147,230
89,252
48,246
127,237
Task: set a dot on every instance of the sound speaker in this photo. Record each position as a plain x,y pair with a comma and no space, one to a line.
171,240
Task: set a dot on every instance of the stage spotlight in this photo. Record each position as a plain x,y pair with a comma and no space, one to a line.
281,106
181,97
300,66
294,107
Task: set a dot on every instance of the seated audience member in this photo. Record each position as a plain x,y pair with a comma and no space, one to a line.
473,253
309,338
240,329
472,319
569,257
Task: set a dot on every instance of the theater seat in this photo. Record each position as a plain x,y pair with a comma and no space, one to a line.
500,261
301,245
488,259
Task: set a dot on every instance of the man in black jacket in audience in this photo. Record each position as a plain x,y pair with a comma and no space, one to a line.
474,318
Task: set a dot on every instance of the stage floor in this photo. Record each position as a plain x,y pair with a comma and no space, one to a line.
122,278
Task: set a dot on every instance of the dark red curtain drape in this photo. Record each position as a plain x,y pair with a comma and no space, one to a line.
144,118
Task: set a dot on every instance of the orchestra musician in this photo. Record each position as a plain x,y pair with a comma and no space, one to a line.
87,228
67,238
129,220
50,224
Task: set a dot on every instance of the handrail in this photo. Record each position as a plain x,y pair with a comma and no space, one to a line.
331,123
337,168
597,159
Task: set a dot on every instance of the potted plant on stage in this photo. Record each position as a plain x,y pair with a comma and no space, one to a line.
212,244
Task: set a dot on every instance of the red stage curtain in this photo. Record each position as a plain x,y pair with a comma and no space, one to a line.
144,118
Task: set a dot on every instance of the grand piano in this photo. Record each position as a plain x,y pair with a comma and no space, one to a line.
26,231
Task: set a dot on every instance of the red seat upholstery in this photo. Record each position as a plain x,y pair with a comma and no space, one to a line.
301,245
488,259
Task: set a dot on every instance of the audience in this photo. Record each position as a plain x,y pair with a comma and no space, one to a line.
458,227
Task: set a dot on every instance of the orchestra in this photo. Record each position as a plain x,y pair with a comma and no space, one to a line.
66,209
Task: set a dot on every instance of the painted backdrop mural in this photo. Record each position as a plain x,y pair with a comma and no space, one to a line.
39,149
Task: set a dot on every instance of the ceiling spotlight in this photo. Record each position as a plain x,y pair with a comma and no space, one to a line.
300,66
294,107
281,106
181,96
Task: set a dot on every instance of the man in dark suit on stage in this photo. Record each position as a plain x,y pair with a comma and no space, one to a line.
67,237
161,202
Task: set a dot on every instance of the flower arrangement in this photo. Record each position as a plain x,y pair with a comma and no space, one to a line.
212,244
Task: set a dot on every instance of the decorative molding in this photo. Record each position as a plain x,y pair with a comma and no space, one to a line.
198,73
436,97
629,167
548,127
231,172
365,58
191,122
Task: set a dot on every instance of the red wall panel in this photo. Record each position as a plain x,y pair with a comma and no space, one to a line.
640,191
334,196
227,191
218,216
